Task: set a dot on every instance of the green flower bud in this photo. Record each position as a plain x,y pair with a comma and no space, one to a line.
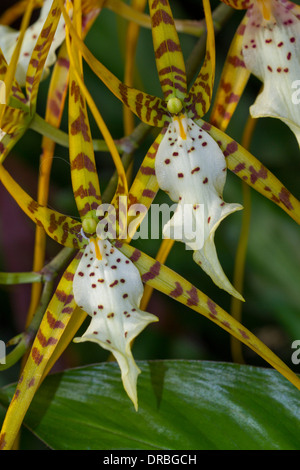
174,105
89,225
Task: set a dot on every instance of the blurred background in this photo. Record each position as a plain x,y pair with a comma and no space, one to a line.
272,278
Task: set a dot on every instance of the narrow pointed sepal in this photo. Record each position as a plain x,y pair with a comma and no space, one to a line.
59,227
191,168
50,333
198,100
143,189
238,4
271,53
207,258
243,164
109,288
149,109
233,81
168,55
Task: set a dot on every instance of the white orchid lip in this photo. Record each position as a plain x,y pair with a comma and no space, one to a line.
9,36
108,287
191,168
271,52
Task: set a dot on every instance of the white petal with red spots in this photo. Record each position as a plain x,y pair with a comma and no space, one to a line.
110,290
191,168
271,50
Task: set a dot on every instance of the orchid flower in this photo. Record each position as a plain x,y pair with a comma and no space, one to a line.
27,53
108,287
100,280
176,114
104,280
266,44
191,168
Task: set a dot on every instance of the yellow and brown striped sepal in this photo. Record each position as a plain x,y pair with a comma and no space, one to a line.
13,119
149,109
40,53
198,101
59,227
168,55
253,172
233,81
238,4
9,140
84,176
54,322
144,188
169,282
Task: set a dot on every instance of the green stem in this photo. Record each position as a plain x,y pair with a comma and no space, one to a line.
39,313
221,14
17,353
20,278
137,136
239,272
24,340
191,27
241,253
57,263
46,275
40,125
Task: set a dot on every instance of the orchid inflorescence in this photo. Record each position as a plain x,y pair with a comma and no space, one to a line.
188,160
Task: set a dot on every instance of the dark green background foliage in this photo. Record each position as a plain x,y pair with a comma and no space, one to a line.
183,405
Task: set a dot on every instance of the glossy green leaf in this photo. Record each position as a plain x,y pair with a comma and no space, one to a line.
183,405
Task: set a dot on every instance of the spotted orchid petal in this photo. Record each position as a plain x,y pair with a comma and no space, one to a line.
8,37
191,168
108,287
271,52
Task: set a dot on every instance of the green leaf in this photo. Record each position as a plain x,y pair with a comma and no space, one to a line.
183,405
